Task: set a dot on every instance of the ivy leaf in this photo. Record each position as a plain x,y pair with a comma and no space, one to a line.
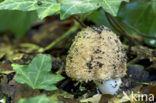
38,99
111,6
17,22
43,7
37,74
99,18
70,7
141,15
1,0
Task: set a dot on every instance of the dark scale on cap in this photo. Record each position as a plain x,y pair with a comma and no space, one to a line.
118,55
92,58
97,51
100,36
125,58
123,50
85,35
109,37
76,50
98,29
70,58
116,40
118,51
99,64
103,52
114,66
99,57
89,64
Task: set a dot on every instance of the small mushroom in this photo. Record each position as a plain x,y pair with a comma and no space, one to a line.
97,54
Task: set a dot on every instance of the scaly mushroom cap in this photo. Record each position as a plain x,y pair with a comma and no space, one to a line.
96,54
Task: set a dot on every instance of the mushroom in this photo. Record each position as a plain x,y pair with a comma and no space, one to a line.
97,54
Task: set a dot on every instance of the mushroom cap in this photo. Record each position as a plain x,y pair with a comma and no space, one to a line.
96,54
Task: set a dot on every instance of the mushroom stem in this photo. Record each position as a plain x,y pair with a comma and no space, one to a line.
110,86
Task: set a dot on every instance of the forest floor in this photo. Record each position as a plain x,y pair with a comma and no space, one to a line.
141,66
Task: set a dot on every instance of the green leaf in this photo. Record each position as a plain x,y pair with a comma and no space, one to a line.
17,22
99,18
38,99
70,7
43,7
1,0
37,74
141,15
111,6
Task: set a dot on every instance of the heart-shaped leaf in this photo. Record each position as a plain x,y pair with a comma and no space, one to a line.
37,74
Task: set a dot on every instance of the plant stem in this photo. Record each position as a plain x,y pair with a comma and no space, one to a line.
79,21
69,32
119,28
139,33
109,20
